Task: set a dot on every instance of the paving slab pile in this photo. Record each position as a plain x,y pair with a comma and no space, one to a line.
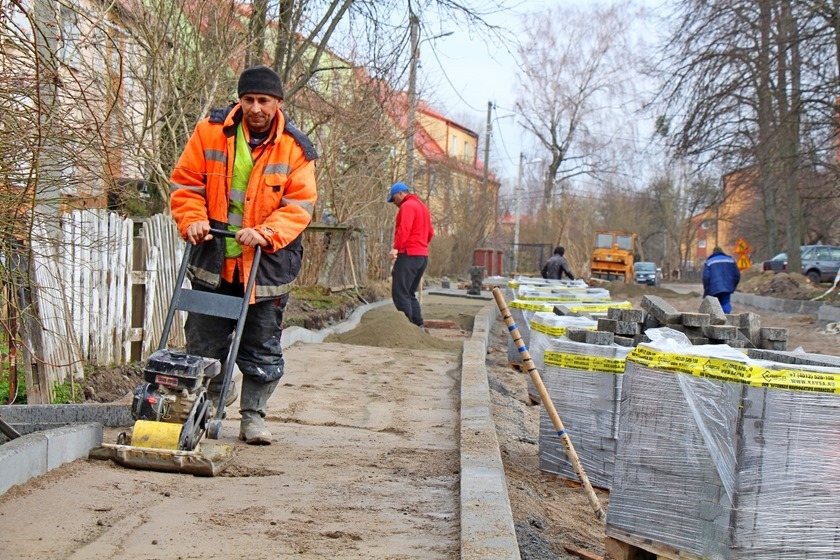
584,382
723,456
709,325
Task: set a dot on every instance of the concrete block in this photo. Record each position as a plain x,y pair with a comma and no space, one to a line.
771,333
711,306
650,322
698,340
773,344
21,459
640,338
71,442
693,331
625,341
632,315
607,325
696,319
800,358
614,313
564,311
627,328
663,311
721,332
603,338
747,341
576,335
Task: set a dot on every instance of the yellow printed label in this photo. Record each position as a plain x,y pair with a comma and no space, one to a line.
563,298
737,372
556,331
599,308
586,363
519,304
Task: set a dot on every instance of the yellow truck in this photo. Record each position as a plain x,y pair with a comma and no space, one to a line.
612,255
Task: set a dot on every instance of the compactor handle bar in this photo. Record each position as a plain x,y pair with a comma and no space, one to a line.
209,303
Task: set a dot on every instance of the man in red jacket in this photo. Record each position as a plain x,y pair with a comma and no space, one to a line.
412,234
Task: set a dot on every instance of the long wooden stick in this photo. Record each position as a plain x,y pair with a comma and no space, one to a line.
546,401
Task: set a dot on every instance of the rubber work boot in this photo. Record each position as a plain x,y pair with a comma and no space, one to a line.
214,391
253,403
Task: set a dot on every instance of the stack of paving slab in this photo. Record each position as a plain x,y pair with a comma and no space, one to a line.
545,327
527,296
723,456
584,382
627,327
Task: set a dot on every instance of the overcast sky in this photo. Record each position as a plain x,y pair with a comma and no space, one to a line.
461,72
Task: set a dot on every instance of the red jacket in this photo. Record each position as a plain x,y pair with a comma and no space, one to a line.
413,229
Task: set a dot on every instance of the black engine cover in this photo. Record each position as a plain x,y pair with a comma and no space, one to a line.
177,370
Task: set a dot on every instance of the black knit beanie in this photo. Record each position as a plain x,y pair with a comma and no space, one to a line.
260,79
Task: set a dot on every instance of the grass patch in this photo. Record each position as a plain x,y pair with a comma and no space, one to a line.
318,298
65,393
20,398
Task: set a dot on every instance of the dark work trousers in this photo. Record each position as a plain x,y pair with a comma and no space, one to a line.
260,352
724,299
408,270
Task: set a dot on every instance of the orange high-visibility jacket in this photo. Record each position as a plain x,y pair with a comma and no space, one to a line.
279,200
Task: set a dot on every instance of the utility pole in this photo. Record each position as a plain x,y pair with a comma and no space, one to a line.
414,24
487,134
516,216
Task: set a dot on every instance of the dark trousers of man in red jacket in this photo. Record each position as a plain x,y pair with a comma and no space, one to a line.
408,271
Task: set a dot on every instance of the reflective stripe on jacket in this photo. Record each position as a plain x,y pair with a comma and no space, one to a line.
279,200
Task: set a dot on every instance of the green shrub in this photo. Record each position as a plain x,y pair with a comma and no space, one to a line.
63,393
20,398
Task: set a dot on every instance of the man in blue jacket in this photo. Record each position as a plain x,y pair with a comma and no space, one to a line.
720,277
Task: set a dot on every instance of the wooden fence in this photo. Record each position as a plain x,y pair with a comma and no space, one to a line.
97,294
98,291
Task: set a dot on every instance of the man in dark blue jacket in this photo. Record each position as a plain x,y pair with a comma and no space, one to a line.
720,277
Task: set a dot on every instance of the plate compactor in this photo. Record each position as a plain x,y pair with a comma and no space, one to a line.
172,409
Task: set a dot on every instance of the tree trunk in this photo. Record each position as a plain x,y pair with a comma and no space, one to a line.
256,33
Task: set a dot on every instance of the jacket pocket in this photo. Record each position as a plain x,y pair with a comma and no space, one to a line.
271,196
207,259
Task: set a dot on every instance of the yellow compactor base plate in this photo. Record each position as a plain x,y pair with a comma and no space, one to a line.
154,447
158,435
209,460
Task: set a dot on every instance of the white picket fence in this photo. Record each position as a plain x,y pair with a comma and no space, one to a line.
90,285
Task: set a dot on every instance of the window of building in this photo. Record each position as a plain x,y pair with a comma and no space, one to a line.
466,151
454,146
701,244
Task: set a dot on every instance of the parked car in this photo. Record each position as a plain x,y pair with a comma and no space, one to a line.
819,262
647,273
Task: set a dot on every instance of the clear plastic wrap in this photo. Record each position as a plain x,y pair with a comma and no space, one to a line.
545,327
584,383
727,457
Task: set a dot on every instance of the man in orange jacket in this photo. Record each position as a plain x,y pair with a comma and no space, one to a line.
246,169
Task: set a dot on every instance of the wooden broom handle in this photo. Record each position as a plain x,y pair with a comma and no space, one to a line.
546,401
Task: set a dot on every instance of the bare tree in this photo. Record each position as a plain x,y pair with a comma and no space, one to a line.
573,85
748,85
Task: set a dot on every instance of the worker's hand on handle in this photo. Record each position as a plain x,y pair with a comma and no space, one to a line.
393,254
198,232
250,238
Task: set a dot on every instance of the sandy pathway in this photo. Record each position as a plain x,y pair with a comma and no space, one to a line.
364,464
